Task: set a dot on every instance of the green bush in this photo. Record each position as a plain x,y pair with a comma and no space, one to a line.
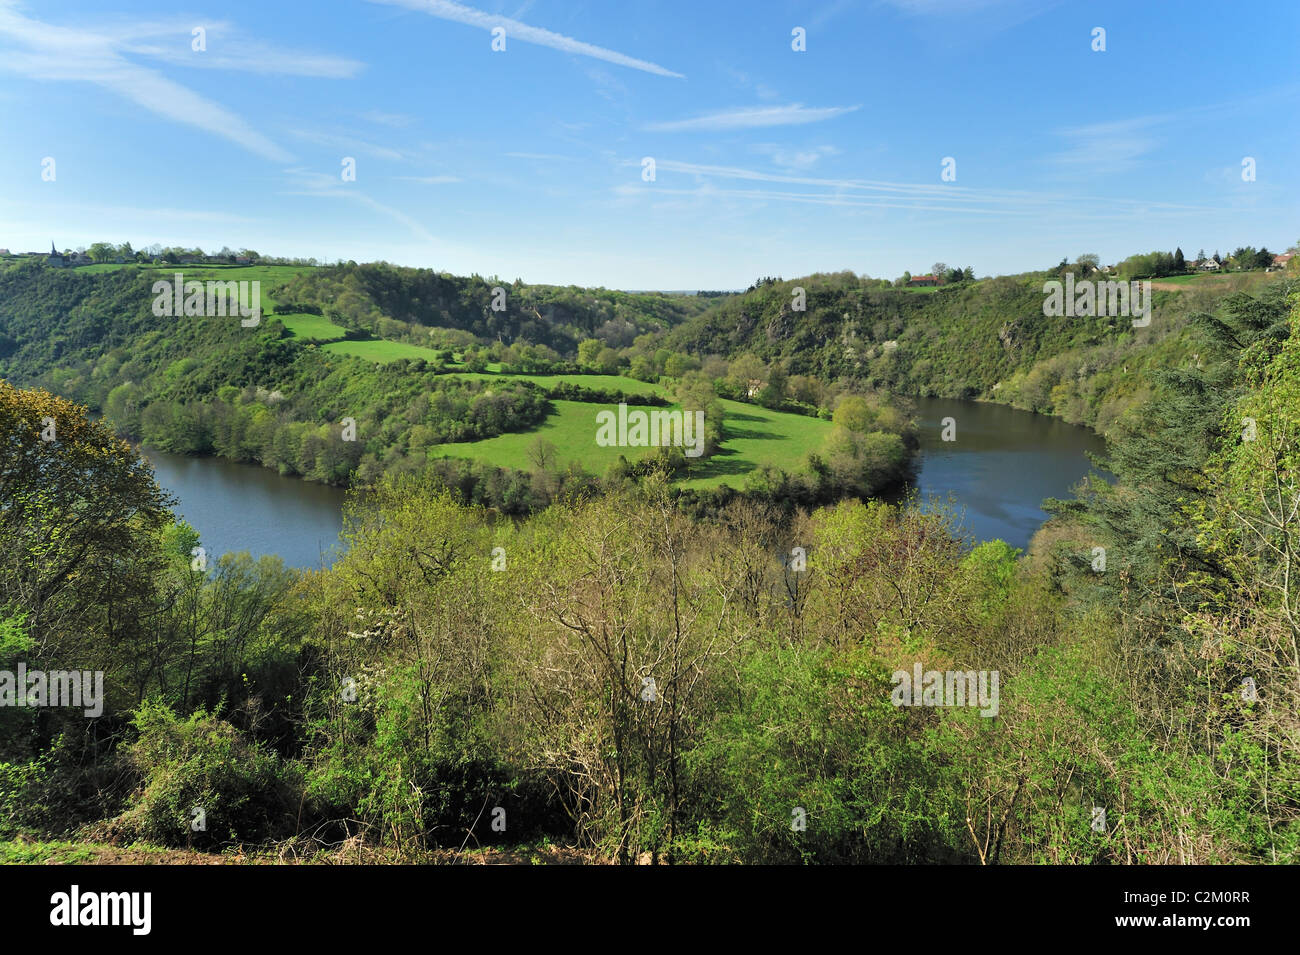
411,765
204,764
816,765
23,790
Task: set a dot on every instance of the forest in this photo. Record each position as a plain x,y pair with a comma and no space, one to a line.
636,674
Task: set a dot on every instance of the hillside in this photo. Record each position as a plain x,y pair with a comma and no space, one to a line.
394,303
308,396
427,374
987,340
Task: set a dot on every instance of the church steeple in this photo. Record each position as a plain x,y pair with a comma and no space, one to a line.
52,249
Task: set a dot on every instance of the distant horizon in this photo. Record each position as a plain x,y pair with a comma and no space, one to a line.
680,290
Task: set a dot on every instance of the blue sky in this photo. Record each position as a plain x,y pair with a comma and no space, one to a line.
528,162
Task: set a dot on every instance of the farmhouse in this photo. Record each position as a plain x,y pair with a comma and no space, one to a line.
923,280
1280,261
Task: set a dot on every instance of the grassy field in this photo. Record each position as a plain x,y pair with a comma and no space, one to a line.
266,274
378,350
753,437
1218,280
571,428
315,328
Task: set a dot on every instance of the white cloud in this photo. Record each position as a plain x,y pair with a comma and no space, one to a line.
62,54
226,49
459,13
847,200
788,158
752,117
938,197
1108,147
323,186
830,12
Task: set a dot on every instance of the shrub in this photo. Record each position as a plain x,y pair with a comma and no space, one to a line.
202,763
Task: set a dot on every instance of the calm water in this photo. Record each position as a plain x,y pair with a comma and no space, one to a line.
1002,465
246,507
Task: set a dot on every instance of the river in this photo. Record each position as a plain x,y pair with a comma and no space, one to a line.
999,468
1001,464
247,507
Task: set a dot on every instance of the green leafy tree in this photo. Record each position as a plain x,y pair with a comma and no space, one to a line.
102,251
78,513
589,352
855,413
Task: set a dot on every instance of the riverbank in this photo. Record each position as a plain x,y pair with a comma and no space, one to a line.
998,468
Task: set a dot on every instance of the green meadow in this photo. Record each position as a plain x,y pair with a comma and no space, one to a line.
752,437
316,328
571,428
1219,279
380,350
266,274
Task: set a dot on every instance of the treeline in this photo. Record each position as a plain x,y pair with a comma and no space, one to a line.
571,391
959,341
1160,264
177,254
